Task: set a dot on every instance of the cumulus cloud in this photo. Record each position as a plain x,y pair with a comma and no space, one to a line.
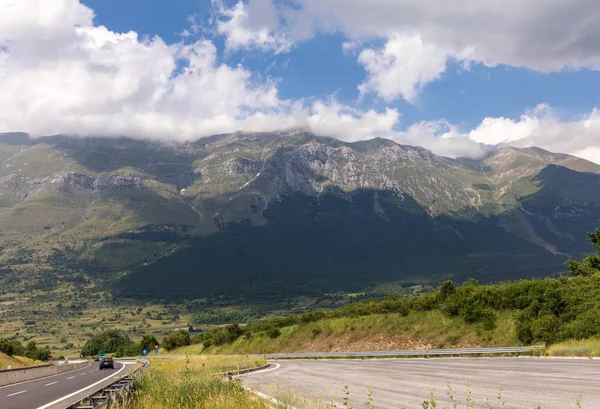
351,125
543,35
62,74
251,25
59,73
402,68
543,128
442,138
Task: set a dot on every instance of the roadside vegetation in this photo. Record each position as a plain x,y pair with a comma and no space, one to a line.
523,312
15,362
190,383
31,351
589,348
118,344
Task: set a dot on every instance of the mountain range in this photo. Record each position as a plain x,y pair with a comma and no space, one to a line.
286,213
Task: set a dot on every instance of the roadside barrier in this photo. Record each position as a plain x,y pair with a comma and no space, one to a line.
12,376
112,394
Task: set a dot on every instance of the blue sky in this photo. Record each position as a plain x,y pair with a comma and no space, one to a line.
422,72
319,68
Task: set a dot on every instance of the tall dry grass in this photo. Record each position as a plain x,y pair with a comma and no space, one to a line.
190,383
581,348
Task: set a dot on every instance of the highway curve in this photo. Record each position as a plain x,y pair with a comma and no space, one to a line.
46,393
398,383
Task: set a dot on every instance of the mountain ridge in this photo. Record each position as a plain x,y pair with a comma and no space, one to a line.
89,205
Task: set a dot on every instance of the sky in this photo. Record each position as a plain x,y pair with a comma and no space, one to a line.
458,77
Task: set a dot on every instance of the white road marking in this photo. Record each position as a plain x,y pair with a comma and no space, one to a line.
47,377
51,383
70,377
81,390
261,371
16,393
82,374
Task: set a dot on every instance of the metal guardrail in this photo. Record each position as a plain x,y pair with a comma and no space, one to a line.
113,394
407,353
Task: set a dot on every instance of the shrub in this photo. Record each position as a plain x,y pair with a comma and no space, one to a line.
176,339
273,333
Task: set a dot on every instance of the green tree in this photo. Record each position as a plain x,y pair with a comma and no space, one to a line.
148,342
448,288
589,265
111,341
176,339
6,347
31,349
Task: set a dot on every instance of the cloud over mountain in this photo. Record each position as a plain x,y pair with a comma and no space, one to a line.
60,72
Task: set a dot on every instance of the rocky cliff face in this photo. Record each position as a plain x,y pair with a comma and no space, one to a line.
78,191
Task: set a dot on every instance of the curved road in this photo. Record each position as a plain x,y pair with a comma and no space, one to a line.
397,383
46,393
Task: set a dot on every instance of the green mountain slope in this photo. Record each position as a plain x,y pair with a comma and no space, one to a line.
281,213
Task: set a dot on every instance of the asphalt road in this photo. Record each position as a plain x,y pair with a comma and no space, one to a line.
42,392
399,383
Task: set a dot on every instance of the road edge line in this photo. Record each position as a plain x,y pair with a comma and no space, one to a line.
47,405
43,377
268,398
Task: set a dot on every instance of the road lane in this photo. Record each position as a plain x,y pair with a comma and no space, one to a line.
37,393
397,383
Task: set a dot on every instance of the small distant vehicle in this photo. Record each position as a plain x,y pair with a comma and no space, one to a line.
107,363
97,359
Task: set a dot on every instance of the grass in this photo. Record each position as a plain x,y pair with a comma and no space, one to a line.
578,348
190,383
16,362
378,332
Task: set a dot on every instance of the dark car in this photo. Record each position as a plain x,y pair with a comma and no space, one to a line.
107,363
97,359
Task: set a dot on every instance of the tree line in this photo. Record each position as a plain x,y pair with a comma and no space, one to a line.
546,311
31,350
119,344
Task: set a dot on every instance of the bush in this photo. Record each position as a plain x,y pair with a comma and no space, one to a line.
148,342
176,339
6,347
488,318
273,333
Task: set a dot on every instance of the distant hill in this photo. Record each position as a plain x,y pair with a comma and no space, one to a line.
267,215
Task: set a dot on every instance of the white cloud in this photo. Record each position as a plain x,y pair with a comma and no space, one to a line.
402,68
592,154
543,128
493,131
252,25
544,35
442,138
61,74
540,127
351,125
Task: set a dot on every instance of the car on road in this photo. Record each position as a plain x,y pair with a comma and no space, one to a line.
107,363
97,359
